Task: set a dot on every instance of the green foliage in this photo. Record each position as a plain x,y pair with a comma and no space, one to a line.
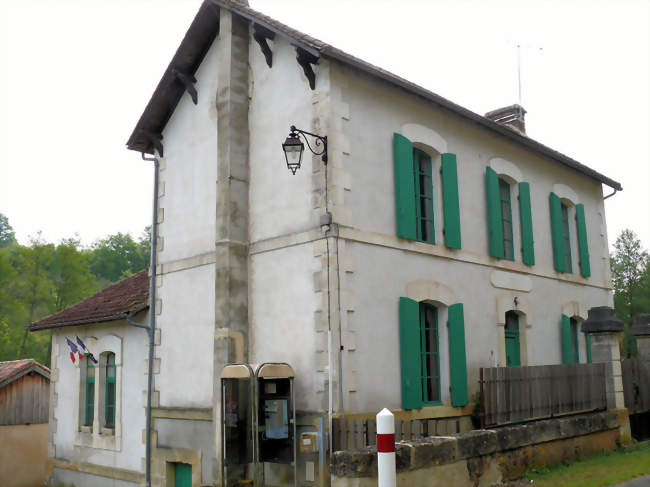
42,278
630,265
606,469
7,236
119,256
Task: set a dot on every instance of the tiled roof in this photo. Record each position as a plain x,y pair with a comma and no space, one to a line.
129,295
9,371
204,30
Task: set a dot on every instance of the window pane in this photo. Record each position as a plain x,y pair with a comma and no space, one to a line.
427,230
430,360
110,366
90,370
425,185
425,208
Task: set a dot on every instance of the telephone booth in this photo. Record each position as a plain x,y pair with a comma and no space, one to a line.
276,425
237,425
258,425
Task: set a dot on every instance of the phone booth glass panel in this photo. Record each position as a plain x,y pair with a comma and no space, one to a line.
237,397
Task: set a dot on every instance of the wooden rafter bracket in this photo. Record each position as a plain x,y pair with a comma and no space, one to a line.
261,35
188,82
306,59
154,139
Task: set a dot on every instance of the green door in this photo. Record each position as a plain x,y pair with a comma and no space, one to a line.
182,475
513,357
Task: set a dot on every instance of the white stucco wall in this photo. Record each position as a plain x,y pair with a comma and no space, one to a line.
131,381
188,176
282,304
280,203
186,324
378,110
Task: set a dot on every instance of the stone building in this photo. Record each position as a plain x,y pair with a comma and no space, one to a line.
432,242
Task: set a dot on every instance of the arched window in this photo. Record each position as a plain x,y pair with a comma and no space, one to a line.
109,406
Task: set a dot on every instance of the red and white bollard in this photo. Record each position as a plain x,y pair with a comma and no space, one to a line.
387,476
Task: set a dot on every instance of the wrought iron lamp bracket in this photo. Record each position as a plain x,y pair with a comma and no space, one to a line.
318,142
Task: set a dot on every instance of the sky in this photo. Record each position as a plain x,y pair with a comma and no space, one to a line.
75,76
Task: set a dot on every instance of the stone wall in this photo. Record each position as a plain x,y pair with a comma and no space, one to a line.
487,457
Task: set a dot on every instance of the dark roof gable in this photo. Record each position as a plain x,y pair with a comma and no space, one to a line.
204,30
129,295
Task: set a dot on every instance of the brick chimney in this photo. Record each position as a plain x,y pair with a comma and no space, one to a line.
512,117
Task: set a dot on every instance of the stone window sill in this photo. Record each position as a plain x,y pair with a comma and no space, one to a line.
86,429
107,431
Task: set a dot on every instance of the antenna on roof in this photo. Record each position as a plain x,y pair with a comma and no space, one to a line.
537,48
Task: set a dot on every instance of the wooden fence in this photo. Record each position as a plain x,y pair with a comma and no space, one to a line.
512,394
636,385
352,433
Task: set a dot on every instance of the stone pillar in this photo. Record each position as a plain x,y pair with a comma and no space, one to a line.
231,246
641,330
604,329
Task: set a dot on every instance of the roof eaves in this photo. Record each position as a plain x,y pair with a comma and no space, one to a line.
35,367
90,321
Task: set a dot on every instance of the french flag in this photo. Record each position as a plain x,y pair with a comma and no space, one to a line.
85,350
73,349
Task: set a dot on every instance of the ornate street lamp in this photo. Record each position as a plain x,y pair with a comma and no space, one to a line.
293,147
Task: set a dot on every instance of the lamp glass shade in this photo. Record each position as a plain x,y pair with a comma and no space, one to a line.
293,149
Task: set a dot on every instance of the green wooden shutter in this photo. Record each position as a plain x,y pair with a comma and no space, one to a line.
404,187
567,343
588,347
557,232
526,220
409,339
583,247
457,358
495,224
450,205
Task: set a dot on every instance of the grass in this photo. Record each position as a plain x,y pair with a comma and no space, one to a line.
599,471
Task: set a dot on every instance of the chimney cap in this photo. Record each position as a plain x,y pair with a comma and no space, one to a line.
512,116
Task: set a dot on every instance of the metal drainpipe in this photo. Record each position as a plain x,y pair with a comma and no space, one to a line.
151,328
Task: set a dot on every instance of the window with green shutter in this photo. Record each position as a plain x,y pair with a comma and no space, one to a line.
419,354
450,201
457,357
423,196
583,247
89,405
409,338
404,187
109,398
526,222
574,340
569,340
566,239
513,347
588,347
506,219
429,354
495,225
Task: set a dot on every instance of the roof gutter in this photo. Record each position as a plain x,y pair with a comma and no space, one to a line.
119,316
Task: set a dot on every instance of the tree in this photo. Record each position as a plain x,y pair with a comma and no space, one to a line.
7,235
118,256
629,266
70,274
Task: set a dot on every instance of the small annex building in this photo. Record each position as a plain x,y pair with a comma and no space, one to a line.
90,432
24,407
432,242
